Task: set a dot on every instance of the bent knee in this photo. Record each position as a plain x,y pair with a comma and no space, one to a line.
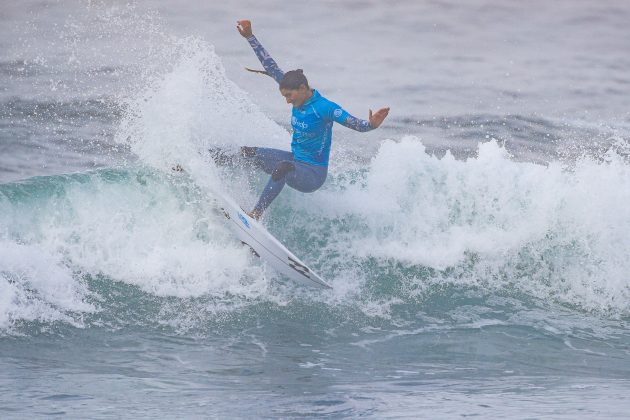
281,170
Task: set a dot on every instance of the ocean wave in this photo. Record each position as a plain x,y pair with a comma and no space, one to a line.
556,232
407,230
404,231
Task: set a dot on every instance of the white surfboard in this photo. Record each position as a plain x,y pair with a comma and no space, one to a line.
265,246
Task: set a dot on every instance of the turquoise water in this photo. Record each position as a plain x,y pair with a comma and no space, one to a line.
477,245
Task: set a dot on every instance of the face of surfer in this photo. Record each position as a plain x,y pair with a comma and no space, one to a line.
296,97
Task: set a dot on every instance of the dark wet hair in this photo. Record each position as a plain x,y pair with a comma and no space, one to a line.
293,80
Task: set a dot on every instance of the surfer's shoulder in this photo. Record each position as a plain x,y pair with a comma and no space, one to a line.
320,102
325,106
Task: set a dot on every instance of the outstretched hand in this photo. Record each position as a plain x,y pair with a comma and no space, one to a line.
244,28
378,117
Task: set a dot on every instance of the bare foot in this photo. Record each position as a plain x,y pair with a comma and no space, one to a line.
254,214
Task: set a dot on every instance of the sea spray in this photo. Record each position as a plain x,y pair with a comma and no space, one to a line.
37,286
182,113
556,232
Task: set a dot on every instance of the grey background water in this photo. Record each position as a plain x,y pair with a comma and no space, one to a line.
535,330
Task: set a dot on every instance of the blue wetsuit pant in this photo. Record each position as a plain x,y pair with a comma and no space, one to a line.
284,169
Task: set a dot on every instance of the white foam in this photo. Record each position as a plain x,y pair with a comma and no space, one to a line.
154,236
557,232
172,121
37,286
160,232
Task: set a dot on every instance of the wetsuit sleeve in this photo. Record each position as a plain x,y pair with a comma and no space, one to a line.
268,63
344,118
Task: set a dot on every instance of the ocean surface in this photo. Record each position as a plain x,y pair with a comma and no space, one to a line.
478,242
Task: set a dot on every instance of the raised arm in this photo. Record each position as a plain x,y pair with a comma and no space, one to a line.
344,118
245,29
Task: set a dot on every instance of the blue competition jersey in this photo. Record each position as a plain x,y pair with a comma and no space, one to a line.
312,122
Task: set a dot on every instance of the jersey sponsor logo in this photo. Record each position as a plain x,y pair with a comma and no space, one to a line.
337,113
244,220
296,123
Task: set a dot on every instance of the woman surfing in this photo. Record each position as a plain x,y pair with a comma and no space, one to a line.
312,117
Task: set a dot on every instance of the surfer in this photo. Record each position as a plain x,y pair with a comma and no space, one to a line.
306,166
